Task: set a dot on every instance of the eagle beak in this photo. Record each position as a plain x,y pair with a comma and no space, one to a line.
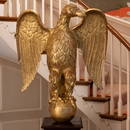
80,13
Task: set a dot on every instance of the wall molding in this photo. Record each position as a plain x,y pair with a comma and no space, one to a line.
1,89
21,115
11,65
1,128
8,63
23,120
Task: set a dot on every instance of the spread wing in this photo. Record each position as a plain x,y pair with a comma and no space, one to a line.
31,39
92,39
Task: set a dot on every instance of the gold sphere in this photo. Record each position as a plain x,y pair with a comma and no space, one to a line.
62,111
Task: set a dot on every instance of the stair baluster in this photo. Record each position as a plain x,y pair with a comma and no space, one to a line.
120,91
78,66
68,1
14,8
103,79
22,5
35,5
94,90
111,73
128,90
86,76
6,8
60,7
43,11
29,4
51,14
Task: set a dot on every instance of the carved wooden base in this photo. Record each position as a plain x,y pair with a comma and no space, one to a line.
50,124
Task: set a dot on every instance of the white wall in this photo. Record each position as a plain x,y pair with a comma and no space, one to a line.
18,110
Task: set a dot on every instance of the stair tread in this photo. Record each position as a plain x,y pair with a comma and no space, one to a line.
97,99
8,18
81,82
114,117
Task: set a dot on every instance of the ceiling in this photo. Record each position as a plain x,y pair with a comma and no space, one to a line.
106,5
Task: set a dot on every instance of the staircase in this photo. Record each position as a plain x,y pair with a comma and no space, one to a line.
98,106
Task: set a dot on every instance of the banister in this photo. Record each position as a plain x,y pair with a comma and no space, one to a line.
111,29
119,36
3,1
8,19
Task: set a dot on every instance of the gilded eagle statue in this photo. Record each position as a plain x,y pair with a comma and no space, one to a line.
60,44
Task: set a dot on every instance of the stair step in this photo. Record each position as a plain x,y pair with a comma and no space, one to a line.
97,99
2,1
81,82
114,117
100,104
7,18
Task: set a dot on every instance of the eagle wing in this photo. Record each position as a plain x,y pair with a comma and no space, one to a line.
92,40
31,39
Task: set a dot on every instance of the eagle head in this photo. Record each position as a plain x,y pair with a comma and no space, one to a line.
72,10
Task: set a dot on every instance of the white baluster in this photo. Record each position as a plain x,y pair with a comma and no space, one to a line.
43,11
103,79
81,66
22,5
120,92
68,1
89,123
6,8
111,75
26,4
10,8
86,75
77,19
29,4
14,8
128,90
35,5
1,91
38,6
77,66
87,91
94,90
60,7
51,13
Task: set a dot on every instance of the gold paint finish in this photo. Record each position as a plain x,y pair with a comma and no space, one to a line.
62,110
60,43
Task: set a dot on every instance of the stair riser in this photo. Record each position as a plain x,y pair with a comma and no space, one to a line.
100,107
117,125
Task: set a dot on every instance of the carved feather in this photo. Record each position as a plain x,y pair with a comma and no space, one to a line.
92,39
31,39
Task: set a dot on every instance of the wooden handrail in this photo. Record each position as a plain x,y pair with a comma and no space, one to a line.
119,36
3,1
111,29
8,19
